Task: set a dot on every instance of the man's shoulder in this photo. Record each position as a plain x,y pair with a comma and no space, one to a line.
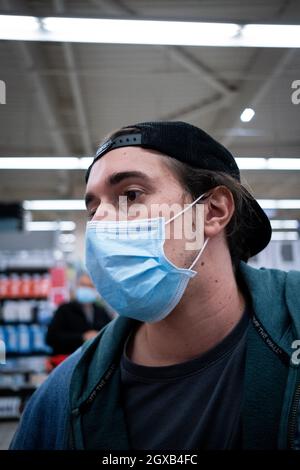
269,280
275,300
46,413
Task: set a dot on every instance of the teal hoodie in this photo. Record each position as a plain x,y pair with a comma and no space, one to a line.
83,396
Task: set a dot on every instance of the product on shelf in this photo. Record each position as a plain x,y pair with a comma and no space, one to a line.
3,286
24,339
25,285
45,285
32,285
10,311
10,407
24,345
26,311
14,285
44,311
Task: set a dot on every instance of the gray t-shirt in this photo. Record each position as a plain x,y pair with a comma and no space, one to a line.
191,405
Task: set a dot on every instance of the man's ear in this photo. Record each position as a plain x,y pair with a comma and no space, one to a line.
218,211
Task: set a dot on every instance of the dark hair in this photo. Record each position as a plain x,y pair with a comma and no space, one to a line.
197,181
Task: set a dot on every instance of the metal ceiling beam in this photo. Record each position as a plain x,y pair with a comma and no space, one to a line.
76,89
198,110
46,102
191,63
267,63
179,54
114,7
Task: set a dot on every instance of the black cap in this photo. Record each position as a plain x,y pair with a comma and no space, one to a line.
192,146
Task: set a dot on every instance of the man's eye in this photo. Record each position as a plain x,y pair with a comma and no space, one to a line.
132,194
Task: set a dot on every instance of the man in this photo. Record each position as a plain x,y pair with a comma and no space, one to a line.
77,321
201,355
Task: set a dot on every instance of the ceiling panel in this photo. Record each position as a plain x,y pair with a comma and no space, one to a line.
121,85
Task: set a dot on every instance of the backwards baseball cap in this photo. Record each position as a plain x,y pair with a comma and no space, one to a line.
192,146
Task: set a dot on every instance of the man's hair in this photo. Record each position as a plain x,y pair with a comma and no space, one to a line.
197,181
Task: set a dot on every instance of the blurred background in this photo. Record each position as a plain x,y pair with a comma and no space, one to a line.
60,95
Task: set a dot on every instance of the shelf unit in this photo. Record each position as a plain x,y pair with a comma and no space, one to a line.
32,285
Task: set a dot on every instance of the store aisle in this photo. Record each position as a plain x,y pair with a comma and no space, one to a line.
7,430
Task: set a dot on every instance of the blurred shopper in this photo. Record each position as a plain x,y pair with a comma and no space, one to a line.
205,351
77,321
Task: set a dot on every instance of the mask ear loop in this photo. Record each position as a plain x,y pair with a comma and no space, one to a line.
199,254
184,210
181,212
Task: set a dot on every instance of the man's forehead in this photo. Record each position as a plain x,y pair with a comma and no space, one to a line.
125,159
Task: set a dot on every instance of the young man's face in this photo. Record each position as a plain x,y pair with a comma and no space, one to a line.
141,177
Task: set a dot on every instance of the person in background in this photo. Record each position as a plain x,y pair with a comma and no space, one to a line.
77,321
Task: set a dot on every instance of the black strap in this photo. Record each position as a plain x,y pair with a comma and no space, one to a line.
284,357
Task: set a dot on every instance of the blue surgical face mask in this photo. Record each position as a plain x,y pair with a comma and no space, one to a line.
86,295
128,266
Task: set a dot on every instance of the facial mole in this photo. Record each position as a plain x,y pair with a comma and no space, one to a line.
202,263
216,280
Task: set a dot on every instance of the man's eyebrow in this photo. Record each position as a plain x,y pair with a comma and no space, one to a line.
116,178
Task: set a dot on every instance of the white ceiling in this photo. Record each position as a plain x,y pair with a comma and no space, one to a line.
62,99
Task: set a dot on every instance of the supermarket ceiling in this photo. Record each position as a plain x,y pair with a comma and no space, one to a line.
63,98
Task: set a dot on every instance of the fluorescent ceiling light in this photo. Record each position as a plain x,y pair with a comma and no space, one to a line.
74,163
284,224
55,205
19,25
64,226
283,164
45,163
285,236
270,35
245,163
85,162
279,203
79,205
181,33
247,115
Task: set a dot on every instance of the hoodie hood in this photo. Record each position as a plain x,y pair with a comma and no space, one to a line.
276,302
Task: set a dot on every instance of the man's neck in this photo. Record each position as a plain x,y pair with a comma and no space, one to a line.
210,308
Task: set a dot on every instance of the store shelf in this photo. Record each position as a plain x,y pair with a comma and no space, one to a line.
25,269
32,285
